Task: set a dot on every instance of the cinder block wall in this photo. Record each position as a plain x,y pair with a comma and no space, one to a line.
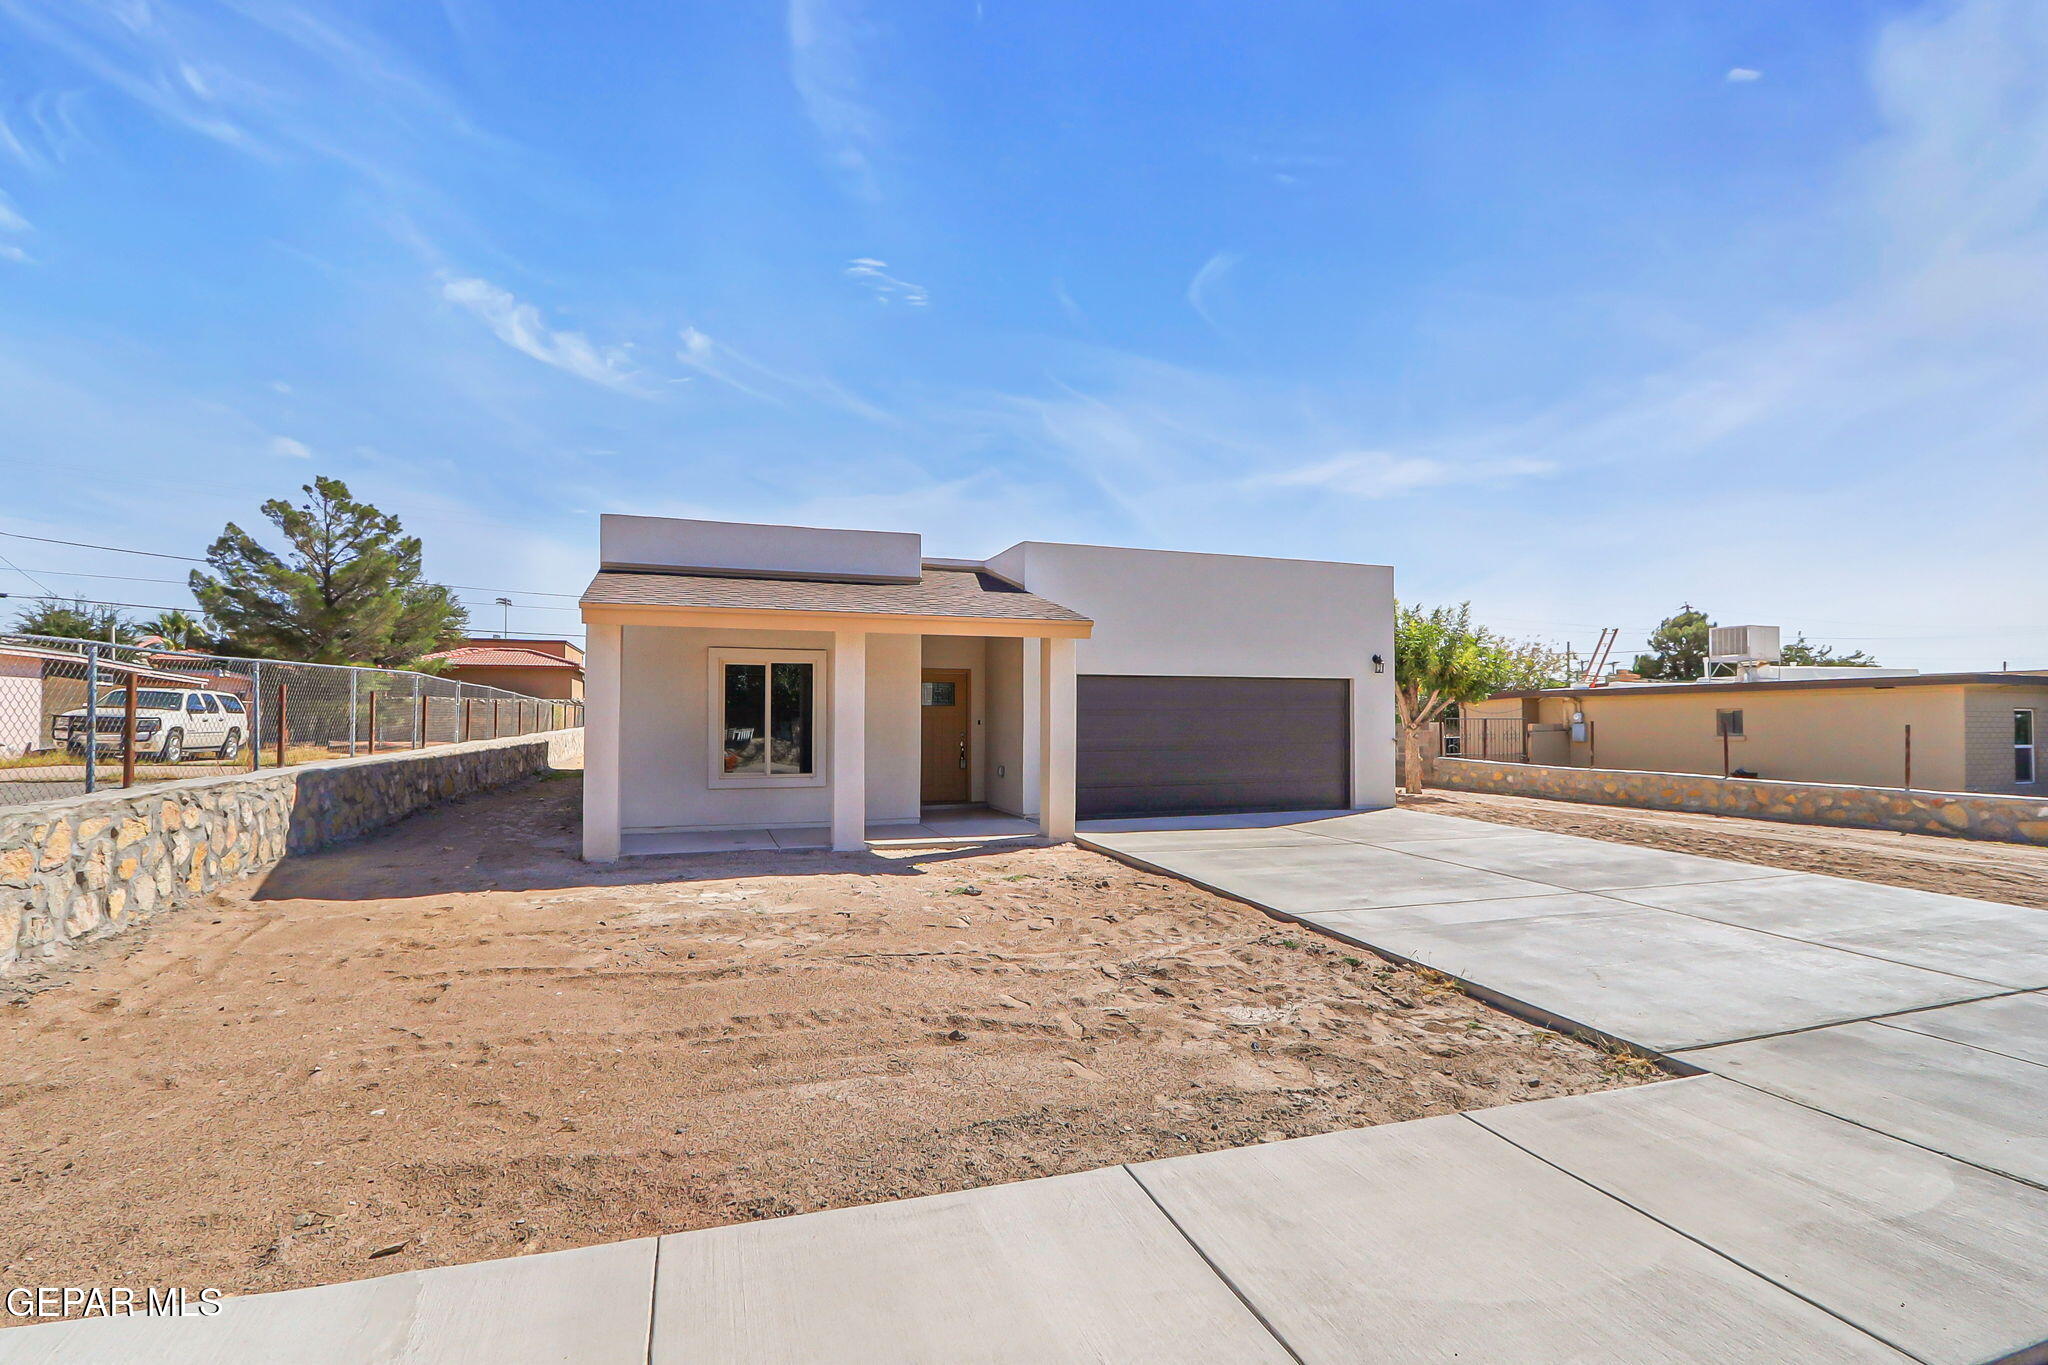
83,864
2010,819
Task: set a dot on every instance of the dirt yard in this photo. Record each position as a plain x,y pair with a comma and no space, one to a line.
2014,873
454,1042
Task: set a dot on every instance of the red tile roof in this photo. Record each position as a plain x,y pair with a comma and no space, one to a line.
500,656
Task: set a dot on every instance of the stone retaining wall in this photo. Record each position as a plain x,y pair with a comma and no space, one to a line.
82,864
2011,819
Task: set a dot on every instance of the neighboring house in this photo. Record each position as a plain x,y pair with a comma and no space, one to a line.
535,668
1971,732
746,677
23,718
191,665
37,684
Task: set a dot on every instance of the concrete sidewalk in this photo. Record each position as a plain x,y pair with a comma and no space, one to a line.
1859,1178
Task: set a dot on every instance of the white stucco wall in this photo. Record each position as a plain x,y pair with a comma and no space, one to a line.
742,547
1166,613
1012,726
665,733
21,706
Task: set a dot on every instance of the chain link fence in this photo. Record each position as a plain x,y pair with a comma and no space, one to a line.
80,716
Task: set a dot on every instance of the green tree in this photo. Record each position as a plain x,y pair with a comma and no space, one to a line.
177,629
1800,652
1442,660
75,620
1678,647
348,589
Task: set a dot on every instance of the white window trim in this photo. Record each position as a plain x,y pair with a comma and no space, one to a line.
714,708
2033,750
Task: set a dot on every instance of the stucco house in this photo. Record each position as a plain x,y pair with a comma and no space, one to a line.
1958,732
758,678
534,668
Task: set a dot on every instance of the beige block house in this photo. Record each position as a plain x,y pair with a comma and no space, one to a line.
1969,732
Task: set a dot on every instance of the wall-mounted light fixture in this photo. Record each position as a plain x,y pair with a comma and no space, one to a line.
1379,665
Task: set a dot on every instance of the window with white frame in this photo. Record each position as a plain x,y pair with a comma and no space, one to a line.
765,717
2023,746
1728,724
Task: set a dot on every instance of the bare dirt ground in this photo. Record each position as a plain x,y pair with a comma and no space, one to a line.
454,1041
2016,874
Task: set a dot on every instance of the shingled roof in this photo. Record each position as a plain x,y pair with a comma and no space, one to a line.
941,591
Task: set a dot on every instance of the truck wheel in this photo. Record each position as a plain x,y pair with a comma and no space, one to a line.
173,748
231,746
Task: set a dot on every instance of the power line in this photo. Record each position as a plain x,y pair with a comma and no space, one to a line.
194,559
179,583
119,550
95,602
24,573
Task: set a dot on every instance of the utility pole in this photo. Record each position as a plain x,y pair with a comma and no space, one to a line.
505,626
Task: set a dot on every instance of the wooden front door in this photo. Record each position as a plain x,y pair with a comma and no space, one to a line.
947,735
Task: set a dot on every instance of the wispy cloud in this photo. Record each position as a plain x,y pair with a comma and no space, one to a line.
286,448
875,276
276,81
1937,350
1073,310
738,371
827,66
708,358
1743,75
520,326
1207,278
156,55
11,221
1380,474
41,129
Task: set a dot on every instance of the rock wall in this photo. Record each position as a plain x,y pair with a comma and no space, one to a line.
86,864
2011,819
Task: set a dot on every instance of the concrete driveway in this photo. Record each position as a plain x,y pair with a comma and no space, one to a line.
1855,1173
1873,1128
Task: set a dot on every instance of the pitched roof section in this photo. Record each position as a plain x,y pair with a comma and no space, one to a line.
499,656
941,591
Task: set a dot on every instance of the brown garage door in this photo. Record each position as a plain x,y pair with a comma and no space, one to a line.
1194,746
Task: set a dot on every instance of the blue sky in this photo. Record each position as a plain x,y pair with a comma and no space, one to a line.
1577,310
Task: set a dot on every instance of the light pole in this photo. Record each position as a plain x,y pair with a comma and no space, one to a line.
506,628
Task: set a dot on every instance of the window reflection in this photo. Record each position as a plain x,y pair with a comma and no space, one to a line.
746,717
790,719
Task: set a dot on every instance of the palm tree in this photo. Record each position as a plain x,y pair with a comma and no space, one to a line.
176,629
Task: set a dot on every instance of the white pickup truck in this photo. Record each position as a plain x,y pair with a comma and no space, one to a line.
170,722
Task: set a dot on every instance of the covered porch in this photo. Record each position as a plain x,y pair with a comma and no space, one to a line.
729,711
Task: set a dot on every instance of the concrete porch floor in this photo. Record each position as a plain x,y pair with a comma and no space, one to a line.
949,824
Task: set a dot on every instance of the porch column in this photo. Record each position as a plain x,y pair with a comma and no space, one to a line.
849,757
1056,738
601,721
